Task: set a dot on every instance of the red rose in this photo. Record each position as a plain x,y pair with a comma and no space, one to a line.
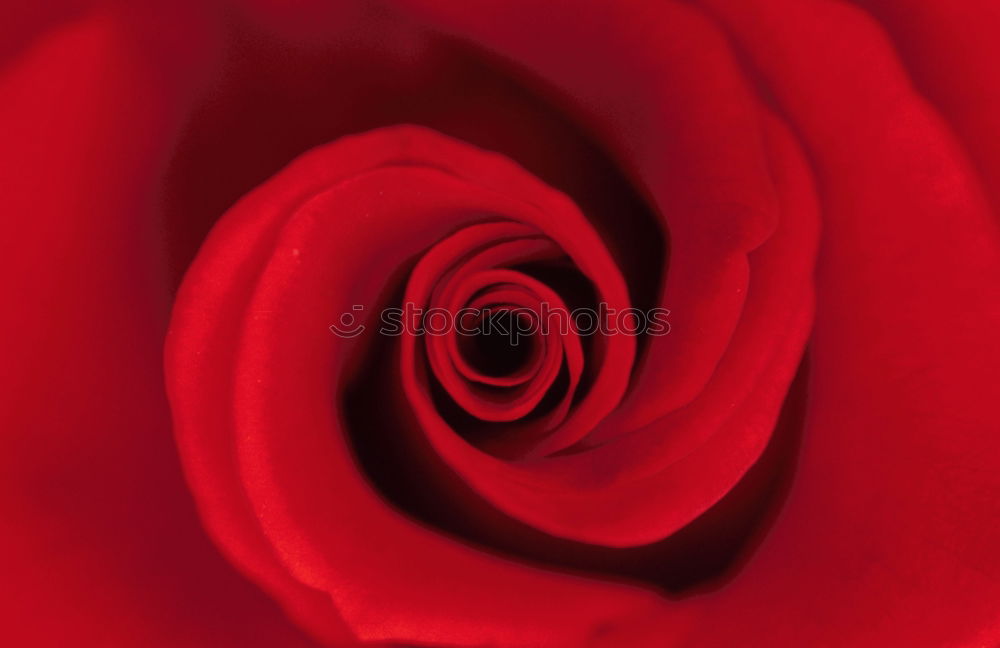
384,417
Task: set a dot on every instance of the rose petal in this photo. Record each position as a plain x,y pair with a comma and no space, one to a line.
101,544
888,535
949,49
326,524
699,144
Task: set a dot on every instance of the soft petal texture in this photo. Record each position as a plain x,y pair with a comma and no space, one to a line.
255,409
699,145
950,50
888,535
101,544
889,532
639,493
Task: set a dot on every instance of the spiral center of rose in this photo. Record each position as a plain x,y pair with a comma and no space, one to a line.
486,342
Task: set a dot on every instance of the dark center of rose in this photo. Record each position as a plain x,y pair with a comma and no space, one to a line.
500,345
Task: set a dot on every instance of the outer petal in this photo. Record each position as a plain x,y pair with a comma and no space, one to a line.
101,545
950,49
889,535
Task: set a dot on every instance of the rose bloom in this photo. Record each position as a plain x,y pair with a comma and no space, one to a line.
209,438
